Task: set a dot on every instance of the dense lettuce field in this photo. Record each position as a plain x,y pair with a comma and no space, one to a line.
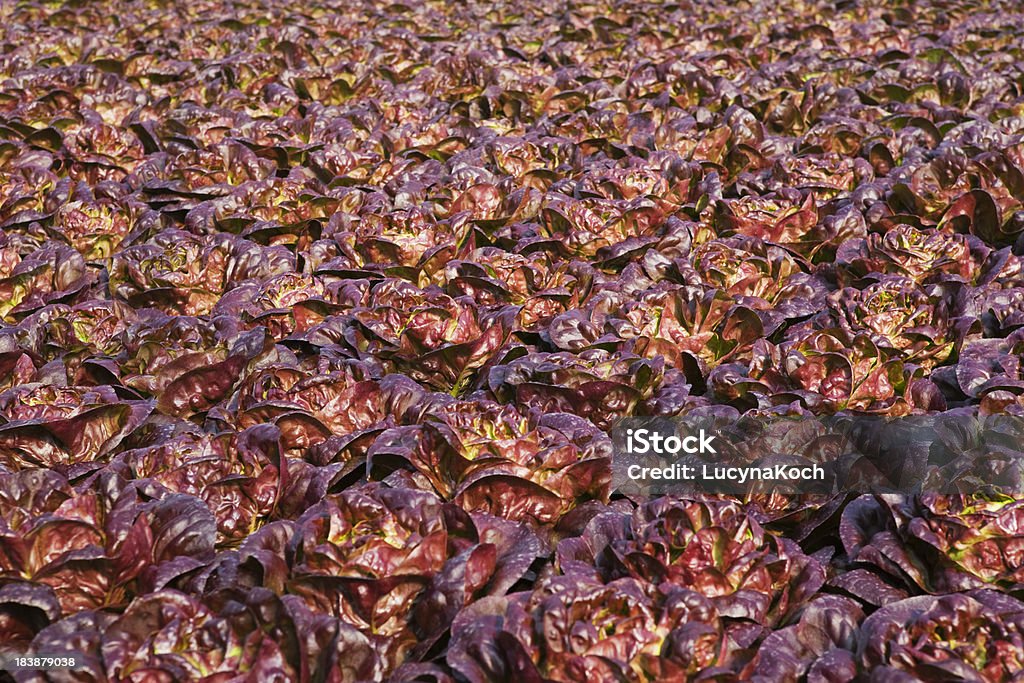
315,318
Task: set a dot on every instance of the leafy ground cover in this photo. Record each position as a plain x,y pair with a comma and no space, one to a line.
314,317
